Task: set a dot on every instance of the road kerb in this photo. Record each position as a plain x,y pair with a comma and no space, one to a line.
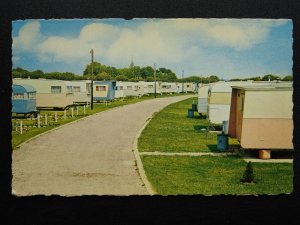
139,161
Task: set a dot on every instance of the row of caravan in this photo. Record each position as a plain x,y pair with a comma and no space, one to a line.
137,89
259,114
60,94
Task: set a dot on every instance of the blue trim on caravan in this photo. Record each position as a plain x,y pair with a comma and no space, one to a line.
23,99
110,95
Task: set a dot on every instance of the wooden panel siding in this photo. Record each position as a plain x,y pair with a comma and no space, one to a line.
232,130
269,104
267,134
261,117
59,100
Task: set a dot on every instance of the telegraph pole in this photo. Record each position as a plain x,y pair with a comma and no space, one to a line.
92,91
154,80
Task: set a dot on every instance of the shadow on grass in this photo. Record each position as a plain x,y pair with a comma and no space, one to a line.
284,154
275,154
213,148
200,128
197,117
230,148
202,116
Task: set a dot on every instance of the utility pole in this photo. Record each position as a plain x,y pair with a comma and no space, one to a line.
182,82
92,91
154,80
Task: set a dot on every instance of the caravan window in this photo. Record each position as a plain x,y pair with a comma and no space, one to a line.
88,87
129,87
18,96
31,95
150,86
76,88
119,87
69,89
100,88
55,89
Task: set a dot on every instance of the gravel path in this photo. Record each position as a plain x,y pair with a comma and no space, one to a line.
92,156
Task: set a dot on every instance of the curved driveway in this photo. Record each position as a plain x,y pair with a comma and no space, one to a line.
92,156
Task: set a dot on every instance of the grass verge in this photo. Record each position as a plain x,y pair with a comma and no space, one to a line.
209,175
172,131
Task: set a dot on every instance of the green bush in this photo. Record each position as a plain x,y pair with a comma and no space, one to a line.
248,176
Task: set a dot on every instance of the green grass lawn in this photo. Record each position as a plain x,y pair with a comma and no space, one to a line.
212,175
18,138
172,131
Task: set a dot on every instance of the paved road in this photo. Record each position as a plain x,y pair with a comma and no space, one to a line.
92,156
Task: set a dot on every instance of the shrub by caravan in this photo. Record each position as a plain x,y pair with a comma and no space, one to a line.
104,90
261,116
24,99
50,94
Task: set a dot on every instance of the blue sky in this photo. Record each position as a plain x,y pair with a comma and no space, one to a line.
228,48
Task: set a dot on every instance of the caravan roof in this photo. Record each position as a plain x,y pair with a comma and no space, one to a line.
265,87
24,88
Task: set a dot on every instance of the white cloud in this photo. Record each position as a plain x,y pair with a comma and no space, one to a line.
29,35
15,58
169,41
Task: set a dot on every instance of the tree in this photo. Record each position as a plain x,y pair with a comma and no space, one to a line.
121,78
97,68
20,73
194,78
288,78
103,76
166,75
146,72
213,78
112,71
125,72
271,77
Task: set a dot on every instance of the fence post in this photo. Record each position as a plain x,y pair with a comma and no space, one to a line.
72,111
39,121
16,126
21,127
55,116
84,109
76,110
65,114
46,119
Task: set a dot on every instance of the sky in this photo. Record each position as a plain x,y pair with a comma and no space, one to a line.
228,48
